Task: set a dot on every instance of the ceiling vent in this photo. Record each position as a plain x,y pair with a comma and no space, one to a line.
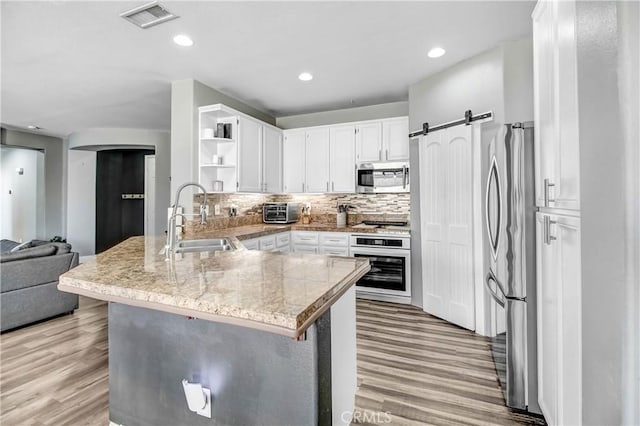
148,15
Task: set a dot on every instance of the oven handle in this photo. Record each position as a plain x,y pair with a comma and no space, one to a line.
381,251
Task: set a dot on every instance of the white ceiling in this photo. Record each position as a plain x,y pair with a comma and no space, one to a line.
68,66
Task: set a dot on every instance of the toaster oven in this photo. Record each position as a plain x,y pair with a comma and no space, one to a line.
280,212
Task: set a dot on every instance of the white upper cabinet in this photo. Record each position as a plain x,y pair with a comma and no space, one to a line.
249,156
260,157
385,140
272,160
395,139
293,161
317,160
369,142
252,156
342,149
556,145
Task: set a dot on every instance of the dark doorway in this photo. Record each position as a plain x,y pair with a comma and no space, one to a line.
119,180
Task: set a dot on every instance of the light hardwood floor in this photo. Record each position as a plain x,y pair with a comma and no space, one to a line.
419,369
423,370
56,372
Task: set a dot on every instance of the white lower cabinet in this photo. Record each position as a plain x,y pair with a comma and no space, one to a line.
305,249
334,251
559,318
304,241
275,242
334,243
283,242
268,243
331,243
252,244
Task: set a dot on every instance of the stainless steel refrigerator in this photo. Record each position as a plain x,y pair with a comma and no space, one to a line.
509,242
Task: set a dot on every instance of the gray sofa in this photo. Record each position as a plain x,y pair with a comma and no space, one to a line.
28,283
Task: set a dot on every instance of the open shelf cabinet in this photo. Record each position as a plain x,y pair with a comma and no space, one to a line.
225,150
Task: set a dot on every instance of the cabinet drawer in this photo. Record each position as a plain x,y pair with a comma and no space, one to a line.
335,251
305,237
268,243
252,244
305,249
334,239
282,239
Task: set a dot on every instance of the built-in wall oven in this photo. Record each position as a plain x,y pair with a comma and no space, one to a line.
390,257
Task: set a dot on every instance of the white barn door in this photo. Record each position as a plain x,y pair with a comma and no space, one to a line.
446,214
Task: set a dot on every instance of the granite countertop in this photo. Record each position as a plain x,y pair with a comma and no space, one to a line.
282,293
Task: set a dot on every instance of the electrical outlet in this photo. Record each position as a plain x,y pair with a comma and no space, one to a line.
216,209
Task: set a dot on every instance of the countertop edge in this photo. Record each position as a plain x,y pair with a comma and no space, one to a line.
353,277
247,323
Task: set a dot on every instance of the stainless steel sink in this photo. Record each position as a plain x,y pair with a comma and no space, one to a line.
214,244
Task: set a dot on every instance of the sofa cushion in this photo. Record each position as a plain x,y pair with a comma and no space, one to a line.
33,272
28,253
7,245
22,246
62,248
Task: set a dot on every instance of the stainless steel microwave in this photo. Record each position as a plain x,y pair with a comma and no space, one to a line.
382,177
280,212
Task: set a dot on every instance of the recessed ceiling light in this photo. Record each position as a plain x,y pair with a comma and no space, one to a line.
32,127
183,40
305,76
436,52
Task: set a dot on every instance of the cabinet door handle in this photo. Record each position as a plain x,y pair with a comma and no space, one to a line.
380,155
404,177
386,154
547,230
327,186
333,186
302,186
547,198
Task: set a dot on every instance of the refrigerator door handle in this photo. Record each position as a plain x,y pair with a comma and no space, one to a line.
547,230
499,300
547,197
493,239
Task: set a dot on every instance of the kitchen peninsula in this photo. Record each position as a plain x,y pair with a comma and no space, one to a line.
271,335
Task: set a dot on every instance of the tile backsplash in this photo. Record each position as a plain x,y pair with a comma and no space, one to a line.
323,206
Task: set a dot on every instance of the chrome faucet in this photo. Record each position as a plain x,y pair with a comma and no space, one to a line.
171,232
